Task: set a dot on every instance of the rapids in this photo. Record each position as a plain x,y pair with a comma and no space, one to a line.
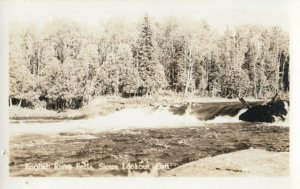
188,115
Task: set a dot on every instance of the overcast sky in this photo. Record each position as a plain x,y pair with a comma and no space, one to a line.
218,13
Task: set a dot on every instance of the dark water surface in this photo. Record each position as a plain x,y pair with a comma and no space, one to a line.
172,146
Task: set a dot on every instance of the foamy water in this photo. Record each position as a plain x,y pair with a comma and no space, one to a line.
126,119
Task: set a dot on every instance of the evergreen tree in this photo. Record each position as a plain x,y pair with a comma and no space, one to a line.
178,67
150,70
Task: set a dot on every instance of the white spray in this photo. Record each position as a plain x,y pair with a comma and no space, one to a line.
159,117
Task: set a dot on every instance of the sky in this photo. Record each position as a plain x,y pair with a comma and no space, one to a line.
218,13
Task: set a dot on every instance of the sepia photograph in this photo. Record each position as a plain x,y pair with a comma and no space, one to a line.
149,89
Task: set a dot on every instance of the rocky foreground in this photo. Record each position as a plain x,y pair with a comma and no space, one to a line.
251,162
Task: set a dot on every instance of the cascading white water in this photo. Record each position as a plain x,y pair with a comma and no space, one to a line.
159,117
124,119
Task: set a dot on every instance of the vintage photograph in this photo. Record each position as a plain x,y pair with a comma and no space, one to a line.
149,89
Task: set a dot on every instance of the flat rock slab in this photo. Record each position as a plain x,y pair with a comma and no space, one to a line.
252,162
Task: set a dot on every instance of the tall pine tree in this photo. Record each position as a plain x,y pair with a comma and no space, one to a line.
150,70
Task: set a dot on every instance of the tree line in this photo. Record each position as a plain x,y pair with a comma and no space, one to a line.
65,64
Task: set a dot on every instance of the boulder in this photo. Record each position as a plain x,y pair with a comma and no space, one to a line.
265,112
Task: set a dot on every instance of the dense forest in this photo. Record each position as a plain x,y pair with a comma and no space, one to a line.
64,64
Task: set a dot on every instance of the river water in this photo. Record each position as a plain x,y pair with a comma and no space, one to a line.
200,114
